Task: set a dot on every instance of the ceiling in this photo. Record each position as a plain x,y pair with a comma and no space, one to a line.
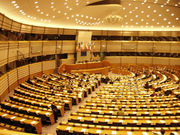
130,15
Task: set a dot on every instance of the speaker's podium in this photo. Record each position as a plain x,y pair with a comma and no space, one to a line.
83,56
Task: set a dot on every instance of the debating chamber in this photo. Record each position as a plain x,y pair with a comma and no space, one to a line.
90,67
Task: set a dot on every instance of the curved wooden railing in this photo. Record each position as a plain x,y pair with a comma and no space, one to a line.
95,67
11,79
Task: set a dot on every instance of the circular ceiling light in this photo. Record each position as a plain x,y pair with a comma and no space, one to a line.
112,19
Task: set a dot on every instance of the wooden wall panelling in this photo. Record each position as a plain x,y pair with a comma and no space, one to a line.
60,31
128,59
35,69
174,61
162,33
113,59
1,19
59,47
161,61
175,47
35,48
51,30
38,30
162,47
69,31
3,53
13,81
15,26
4,86
144,46
7,23
67,61
113,46
97,46
49,66
49,47
26,28
24,49
68,47
144,60
145,33
96,32
13,47
114,33
128,46
23,73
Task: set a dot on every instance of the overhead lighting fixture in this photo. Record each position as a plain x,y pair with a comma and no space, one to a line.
112,19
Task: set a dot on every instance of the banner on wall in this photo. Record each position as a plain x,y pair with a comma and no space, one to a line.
83,41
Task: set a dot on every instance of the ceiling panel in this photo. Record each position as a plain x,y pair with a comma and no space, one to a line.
130,15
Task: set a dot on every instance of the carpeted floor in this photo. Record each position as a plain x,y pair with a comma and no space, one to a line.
51,129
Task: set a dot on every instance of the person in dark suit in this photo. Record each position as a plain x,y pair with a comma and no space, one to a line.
55,111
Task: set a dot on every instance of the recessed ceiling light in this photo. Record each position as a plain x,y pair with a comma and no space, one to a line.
13,2
167,10
177,18
160,15
142,12
172,14
35,2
